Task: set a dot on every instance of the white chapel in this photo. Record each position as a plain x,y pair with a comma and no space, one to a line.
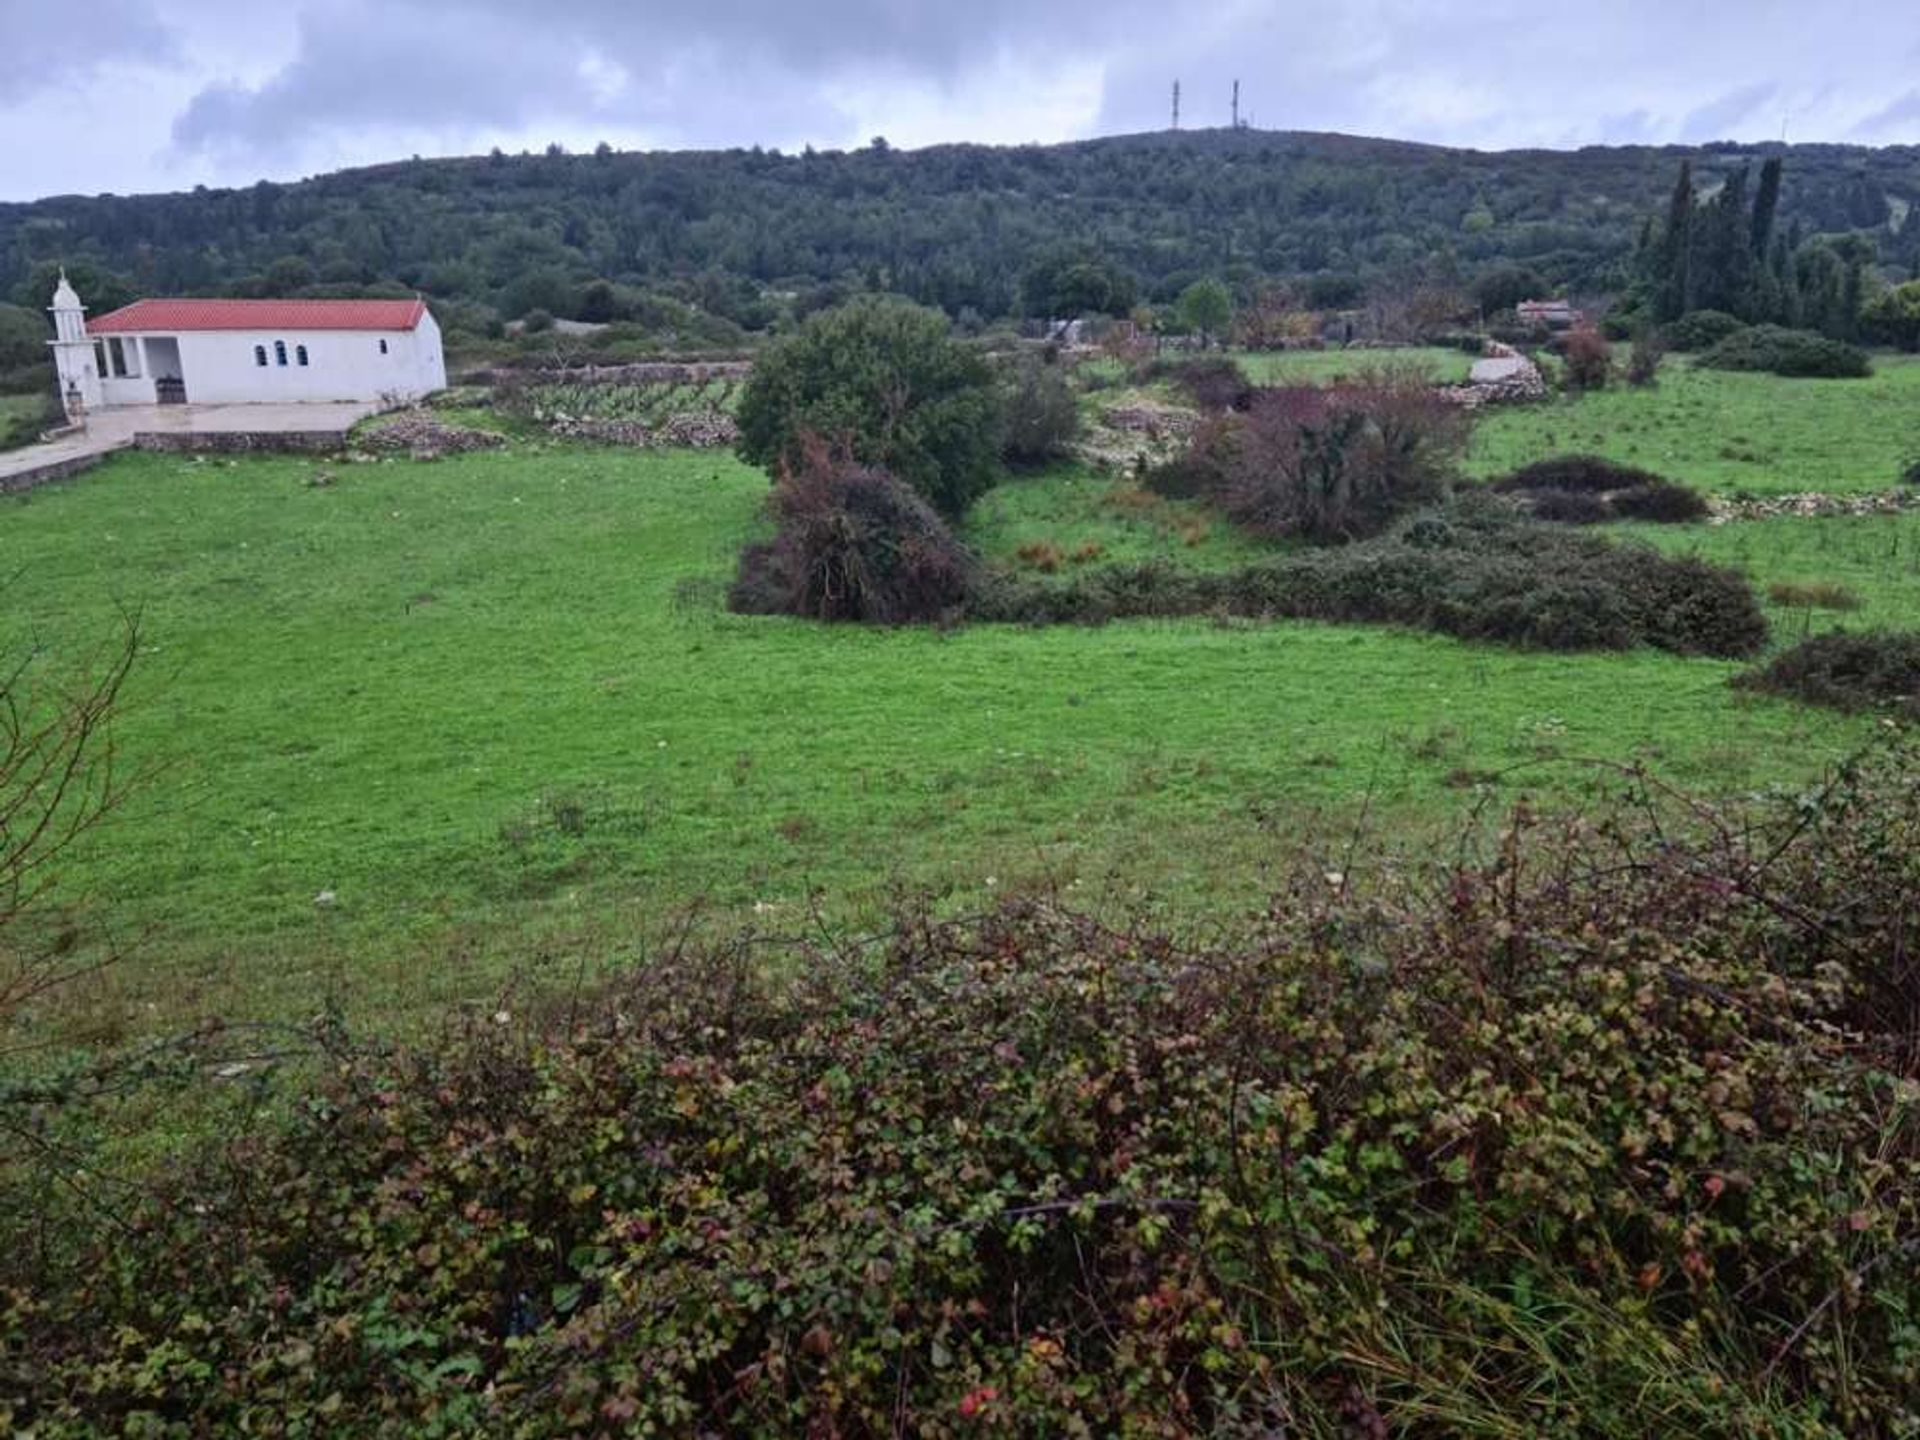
240,352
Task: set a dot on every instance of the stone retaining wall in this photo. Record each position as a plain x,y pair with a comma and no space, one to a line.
22,481
242,442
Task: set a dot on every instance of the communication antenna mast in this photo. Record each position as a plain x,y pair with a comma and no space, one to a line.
1176,104
1236,104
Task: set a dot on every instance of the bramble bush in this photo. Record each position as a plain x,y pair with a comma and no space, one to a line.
1586,489
1846,671
1615,1127
851,543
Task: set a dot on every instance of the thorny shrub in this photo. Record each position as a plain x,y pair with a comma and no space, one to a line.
1846,671
1586,489
1616,1127
851,543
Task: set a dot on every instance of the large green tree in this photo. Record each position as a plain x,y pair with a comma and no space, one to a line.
1206,308
884,379
1066,282
1893,316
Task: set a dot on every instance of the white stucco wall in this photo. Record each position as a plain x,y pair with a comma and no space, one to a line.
220,368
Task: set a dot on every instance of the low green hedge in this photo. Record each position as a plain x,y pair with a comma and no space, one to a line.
1796,354
1472,574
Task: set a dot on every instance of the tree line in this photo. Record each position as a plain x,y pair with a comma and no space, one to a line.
1729,251
719,244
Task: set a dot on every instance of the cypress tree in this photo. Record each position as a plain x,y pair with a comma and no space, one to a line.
1786,283
1766,206
1731,265
1676,294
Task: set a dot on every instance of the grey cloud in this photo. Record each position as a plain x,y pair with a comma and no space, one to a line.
1719,118
731,71
394,66
1902,114
49,45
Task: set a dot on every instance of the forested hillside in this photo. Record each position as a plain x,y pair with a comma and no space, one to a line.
743,236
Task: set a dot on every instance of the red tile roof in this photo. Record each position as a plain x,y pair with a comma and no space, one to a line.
147,316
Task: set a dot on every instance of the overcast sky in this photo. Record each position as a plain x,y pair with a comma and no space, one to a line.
137,95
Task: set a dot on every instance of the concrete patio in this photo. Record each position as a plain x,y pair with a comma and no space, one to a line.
123,427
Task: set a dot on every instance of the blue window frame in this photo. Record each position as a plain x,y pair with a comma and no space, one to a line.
279,352
300,353
260,355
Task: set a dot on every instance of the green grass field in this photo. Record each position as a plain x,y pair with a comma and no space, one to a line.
1094,519
1318,367
1875,557
1728,433
492,703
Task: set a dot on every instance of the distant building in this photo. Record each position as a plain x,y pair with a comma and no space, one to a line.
1088,330
244,352
1548,314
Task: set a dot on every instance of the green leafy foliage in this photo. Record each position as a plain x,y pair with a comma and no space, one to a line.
1065,282
1042,414
1893,317
1205,308
1616,1121
23,339
1702,329
885,381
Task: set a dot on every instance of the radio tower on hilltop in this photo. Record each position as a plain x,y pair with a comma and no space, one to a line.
1176,104
1236,104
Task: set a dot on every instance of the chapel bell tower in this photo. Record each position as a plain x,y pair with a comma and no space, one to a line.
73,358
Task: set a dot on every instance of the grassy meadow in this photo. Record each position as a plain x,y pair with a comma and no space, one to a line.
1728,433
494,706
1320,367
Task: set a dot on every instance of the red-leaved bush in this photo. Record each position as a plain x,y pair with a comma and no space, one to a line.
1589,360
1339,462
